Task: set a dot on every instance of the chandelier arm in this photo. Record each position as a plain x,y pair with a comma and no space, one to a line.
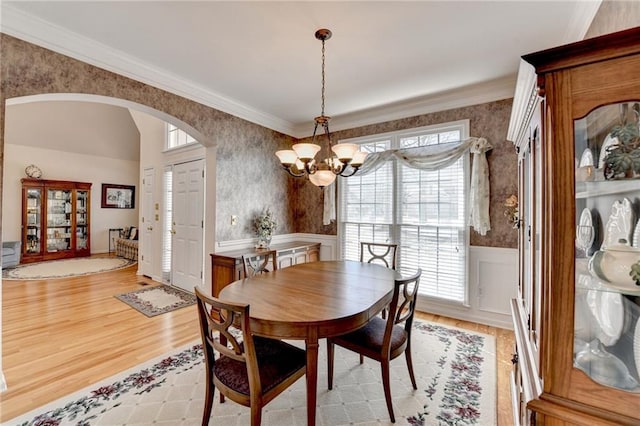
355,170
288,169
310,168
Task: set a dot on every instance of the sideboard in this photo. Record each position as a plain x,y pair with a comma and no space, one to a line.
226,267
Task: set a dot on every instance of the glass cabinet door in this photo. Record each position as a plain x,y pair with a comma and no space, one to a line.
607,246
59,216
33,240
82,220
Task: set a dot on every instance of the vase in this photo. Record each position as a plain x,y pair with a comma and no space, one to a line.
264,241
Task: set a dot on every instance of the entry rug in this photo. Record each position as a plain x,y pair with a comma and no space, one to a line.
65,268
455,372
157,300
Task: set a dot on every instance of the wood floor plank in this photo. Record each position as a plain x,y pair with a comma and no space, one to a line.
59,336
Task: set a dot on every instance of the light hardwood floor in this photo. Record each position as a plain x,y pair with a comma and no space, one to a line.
59,336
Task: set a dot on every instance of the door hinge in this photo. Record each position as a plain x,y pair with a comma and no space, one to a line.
142,257
529,321
143,181
203,174
201,275
202,224
143,220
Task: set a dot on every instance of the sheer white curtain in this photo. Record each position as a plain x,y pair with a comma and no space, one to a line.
435,157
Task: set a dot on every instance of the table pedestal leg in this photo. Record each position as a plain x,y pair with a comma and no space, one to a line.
312,376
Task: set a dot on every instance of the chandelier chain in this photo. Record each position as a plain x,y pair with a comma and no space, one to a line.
322,106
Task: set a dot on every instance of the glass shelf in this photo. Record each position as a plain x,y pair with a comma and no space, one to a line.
606,187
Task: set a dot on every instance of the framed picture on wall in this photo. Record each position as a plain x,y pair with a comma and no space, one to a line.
118,196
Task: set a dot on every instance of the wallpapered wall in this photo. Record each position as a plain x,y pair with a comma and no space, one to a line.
489,120
249,177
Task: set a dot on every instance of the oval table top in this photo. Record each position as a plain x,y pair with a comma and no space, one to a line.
333,297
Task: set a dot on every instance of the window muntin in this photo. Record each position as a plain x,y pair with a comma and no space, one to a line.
177,137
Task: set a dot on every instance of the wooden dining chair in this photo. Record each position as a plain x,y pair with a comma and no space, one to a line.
255,264
247,369
384,339
379,253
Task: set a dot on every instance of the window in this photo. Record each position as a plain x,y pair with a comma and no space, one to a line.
177,138
424,212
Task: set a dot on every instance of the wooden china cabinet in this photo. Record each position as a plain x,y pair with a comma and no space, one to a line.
55,219
575,124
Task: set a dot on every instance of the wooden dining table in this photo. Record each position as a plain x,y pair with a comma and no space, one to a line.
313,301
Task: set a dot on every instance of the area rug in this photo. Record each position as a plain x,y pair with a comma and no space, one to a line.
157,300
455,372
65,268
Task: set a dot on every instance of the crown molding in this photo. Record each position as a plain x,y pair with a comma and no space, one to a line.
480,93
524,104
34,30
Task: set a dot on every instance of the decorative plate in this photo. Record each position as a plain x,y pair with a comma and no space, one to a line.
609,310
33,171
608,142
585,234
636,235
636,346
617,231
587,158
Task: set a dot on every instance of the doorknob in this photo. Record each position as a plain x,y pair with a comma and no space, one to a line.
173,231
150,228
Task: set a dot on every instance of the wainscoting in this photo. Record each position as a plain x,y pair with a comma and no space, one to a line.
493,282
493,279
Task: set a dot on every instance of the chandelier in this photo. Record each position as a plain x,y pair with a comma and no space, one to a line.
300,160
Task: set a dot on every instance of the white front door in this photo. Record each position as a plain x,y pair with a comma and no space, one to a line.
148,221
188,225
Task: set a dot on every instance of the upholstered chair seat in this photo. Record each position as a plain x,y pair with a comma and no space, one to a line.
370,338
277,361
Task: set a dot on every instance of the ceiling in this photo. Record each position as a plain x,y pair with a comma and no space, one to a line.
260,60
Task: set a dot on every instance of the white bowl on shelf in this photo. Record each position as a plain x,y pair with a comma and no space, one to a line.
614,264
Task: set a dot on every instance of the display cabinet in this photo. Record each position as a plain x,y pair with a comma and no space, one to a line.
576,126
55,219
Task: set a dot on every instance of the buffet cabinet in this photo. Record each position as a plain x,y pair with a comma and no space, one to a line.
576,126
227,267
55,219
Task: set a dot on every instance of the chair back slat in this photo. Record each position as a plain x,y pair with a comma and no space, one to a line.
402,308
255,264
379,253
409,293
222,324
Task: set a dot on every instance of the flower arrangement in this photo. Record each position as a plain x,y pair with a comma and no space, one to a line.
264,225
511,212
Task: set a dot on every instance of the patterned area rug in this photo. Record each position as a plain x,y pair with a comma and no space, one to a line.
455,371
157,300
65,268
